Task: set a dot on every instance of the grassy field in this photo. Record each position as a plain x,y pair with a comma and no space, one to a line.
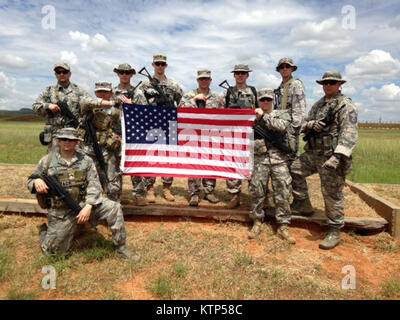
376,157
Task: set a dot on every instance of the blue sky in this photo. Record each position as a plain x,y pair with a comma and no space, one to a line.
95,36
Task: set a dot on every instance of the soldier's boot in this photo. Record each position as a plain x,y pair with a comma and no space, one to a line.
211,197
302,207
141,201
331,240
42,231
283,233
167,193
124,253
194,200
255,230
235,201
151,195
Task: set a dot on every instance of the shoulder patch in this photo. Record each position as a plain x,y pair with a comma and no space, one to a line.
353,117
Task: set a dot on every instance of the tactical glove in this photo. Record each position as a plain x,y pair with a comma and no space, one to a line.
332,163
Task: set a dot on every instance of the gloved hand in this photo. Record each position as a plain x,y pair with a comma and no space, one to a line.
316,125
331,164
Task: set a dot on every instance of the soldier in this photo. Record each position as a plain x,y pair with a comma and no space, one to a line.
102,122
173,92
271,160
242,96
331,133
77,173
126,93
48,104
202,97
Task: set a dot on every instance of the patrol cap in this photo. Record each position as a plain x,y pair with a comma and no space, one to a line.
331,75
62,64
288,61
68,133
159,57
103,86
241,67
265,93
203,74
124,67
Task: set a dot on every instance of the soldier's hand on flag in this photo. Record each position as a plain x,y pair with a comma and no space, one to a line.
41,186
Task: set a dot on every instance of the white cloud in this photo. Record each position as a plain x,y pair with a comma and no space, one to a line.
12,61
98,43
376,65
324,40
387,98
69,57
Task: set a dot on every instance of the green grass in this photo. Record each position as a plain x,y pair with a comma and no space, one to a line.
19,142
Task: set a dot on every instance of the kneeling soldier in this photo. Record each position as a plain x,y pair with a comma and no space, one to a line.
76,174
271,156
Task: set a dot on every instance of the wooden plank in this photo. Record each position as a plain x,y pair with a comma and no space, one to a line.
209,212
383,207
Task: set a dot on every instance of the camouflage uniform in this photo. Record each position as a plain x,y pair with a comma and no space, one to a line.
62,220
212,101
109,141
295,102
271,162
248,100
339,138
174,94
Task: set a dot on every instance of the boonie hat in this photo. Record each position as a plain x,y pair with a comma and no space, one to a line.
124,67
68,133
331,75
203,74
288,61
159,57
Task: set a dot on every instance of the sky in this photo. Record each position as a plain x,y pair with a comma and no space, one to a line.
358,38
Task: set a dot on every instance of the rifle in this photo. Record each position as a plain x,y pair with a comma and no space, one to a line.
90,129
56,189
262,132
235,105
328,120
161,99
72,120
131,91
277,99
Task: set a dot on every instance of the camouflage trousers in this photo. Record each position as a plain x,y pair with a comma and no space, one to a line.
141,184
62,226
111,180
281,184
332,184
194,186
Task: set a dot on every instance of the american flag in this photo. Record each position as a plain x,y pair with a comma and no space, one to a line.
187,142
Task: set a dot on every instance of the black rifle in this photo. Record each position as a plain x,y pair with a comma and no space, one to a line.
269,136
91,131
72,120
328,120
57,190
161,98
131,91
235,104
277,99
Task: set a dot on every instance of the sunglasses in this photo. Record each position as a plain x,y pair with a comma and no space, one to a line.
125,72
284,66
204,79
240,73
265,99
163,64
66,139
330,82
61,71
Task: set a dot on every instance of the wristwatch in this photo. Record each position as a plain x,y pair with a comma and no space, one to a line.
337,156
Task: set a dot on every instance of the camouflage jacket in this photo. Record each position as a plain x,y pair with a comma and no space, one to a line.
245,97
188,102
73,95
78,162
172,90
344,129
277,121
296,102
